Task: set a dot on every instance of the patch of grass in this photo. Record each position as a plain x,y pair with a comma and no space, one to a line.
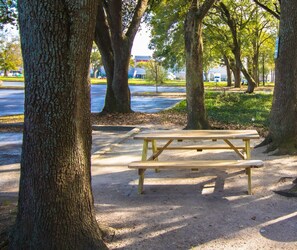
11,79
11,119
236,108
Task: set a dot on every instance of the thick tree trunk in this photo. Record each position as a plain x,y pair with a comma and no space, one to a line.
236,73
115,48
56,209
103,42
120,85
197,118
283,122
228,70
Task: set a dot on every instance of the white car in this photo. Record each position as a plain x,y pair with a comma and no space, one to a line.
171,76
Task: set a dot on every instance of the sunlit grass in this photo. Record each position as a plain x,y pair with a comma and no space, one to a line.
11,79
11,119
236,108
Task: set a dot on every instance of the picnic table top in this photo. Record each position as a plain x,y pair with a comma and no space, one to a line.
197,134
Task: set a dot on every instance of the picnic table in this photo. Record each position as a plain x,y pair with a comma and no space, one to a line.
168,136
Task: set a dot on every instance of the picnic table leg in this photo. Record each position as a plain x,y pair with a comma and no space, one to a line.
141,171
141,180
144,150
154,147
247,149
248,171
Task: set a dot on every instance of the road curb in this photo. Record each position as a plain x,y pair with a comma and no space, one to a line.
111,145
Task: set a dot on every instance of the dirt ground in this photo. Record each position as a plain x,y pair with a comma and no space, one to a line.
207,209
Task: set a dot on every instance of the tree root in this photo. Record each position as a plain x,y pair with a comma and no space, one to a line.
292,192
266,142
107,232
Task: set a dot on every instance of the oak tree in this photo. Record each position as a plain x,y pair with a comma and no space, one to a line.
196,112
56,207
116,26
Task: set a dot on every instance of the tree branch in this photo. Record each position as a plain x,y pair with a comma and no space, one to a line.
140,8
204,8
276,14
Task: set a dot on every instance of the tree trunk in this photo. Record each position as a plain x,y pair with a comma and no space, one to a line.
236,50
56,207
237,54
115,48
228,70
251,82
120,85
236,73
283,122
197,118
255,65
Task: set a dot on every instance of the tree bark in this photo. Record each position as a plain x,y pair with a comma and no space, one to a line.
236,73
255,64
283,121
197,118
228,70
56,207
115,48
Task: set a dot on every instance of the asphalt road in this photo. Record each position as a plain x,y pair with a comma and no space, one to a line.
12,101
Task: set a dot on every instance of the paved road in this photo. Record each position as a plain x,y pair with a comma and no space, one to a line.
12,101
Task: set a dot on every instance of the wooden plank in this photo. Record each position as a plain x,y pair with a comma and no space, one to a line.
206,147
197,134
234,148
201,164
156,154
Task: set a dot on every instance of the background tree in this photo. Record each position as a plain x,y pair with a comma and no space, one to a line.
218,35
10,55
230,15
262,31
55,207
155,72
196,113
117,25
95,60
167,32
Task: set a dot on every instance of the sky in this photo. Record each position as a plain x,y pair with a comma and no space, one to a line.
141,42
140,45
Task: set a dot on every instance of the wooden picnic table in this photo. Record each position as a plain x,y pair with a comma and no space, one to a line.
244,151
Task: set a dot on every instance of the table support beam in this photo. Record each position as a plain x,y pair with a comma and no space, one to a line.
234,148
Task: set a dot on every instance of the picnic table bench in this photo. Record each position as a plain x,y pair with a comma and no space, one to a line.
152,162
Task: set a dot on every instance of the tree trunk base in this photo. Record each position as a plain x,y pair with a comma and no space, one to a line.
292,192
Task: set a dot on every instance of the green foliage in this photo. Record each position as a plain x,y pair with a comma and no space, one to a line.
8,13
10,55
155,72
236,108
95,59
167,24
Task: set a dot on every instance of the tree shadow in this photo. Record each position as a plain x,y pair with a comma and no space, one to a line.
175,213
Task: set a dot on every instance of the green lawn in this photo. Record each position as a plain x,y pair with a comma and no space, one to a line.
132,81
236,108
11,79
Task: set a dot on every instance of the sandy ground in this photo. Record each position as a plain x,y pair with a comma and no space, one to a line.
207,209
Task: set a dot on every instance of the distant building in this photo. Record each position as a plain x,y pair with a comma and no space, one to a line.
217,71
142,59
